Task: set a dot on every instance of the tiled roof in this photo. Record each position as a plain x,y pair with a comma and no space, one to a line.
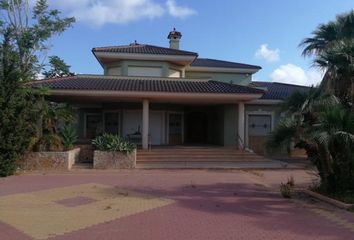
107,83
143,49
206,62
279,91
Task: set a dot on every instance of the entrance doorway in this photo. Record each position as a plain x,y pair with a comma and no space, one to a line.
197,128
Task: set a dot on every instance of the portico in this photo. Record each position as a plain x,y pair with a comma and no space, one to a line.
240,122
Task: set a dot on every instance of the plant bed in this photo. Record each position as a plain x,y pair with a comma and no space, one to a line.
329,200
113,152
50,160
114,160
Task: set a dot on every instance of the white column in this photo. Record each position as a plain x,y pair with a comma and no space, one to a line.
241,124
183,72
145,135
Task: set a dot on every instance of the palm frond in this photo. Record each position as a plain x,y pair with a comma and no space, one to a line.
285,132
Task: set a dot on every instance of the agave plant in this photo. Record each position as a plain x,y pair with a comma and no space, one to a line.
68,137
113,143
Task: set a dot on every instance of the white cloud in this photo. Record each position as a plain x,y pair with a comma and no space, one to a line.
179,11
293,74
267,54
100,12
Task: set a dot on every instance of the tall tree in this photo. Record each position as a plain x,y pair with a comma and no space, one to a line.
18,110
30,31
24,41
332,46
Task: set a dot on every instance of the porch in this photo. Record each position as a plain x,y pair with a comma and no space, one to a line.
163,124
162,112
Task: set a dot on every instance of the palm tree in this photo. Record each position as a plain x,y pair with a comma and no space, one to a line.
332,46
300,127
325,129
318,121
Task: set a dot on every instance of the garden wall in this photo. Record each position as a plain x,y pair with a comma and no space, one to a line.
51,160
114,160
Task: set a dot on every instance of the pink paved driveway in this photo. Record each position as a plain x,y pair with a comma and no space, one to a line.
208,205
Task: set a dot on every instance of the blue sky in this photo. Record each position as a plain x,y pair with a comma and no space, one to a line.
265,33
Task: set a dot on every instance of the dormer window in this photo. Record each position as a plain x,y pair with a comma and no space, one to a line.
144,71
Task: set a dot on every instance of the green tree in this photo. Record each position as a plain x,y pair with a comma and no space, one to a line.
58,68
18,111
325,129
332,46
24,36
31,30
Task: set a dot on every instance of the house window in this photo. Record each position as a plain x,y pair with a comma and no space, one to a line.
93,125
145,71
259,125
114,71
111,122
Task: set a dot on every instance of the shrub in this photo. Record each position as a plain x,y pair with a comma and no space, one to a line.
291,181
68,137
113,143
17,126
286,190
49,143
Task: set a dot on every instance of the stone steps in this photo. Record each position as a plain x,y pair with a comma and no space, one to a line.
211,165
205,155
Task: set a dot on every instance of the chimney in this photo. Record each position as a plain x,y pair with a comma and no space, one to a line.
174,38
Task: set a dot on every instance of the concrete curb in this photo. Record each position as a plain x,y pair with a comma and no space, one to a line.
328,200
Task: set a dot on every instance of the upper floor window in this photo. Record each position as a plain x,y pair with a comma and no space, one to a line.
114,71
145,71
174,73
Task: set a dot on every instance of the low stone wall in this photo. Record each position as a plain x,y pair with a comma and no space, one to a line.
114,160
51,160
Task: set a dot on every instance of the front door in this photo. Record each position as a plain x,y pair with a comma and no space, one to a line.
175,128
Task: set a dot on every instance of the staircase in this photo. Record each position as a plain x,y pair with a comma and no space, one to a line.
201,157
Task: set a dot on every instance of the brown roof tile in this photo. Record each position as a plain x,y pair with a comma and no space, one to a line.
206,62
106,83
279,91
